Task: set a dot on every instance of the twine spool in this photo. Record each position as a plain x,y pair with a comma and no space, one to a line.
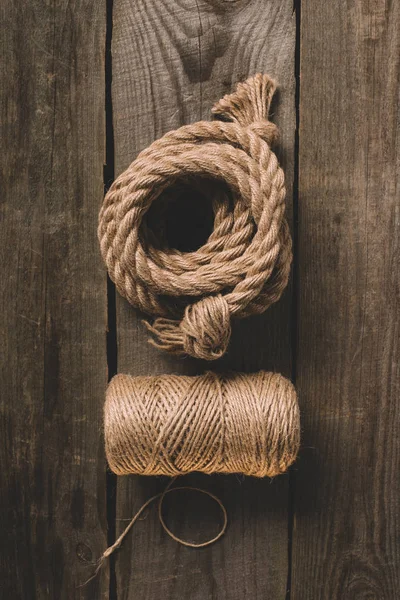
172,425
244,265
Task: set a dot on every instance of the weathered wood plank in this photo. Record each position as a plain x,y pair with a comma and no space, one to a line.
347,531
53,299
171,61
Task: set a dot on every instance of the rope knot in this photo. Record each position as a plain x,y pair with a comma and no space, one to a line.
249,106
266,130
204,331
207,328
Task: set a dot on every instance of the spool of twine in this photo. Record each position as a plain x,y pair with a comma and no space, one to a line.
244,265
172,425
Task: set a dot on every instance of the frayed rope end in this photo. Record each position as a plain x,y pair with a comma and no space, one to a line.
249,103
167,335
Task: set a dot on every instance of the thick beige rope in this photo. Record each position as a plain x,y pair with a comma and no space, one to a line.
244,265
172,425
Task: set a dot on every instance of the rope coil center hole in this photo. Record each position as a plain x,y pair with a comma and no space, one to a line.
182,217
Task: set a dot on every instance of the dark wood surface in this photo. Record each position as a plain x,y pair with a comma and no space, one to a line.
53,300
171,63
328,530
347,528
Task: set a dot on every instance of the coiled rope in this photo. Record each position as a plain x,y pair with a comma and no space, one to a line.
244,265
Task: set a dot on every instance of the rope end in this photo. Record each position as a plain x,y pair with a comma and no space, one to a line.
167,335
249,103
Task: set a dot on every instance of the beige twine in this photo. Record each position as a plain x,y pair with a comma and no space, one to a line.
244,265
160,497
172,425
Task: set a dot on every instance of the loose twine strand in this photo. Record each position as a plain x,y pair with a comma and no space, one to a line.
244,265
161,496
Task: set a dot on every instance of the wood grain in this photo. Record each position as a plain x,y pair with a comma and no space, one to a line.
347,531
171,61
53,300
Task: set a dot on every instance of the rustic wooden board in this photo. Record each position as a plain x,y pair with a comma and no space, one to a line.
171,61
347,531
53,350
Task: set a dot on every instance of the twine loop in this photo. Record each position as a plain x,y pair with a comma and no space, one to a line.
160,497
244,265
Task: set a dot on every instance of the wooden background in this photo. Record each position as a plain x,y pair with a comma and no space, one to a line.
85,86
